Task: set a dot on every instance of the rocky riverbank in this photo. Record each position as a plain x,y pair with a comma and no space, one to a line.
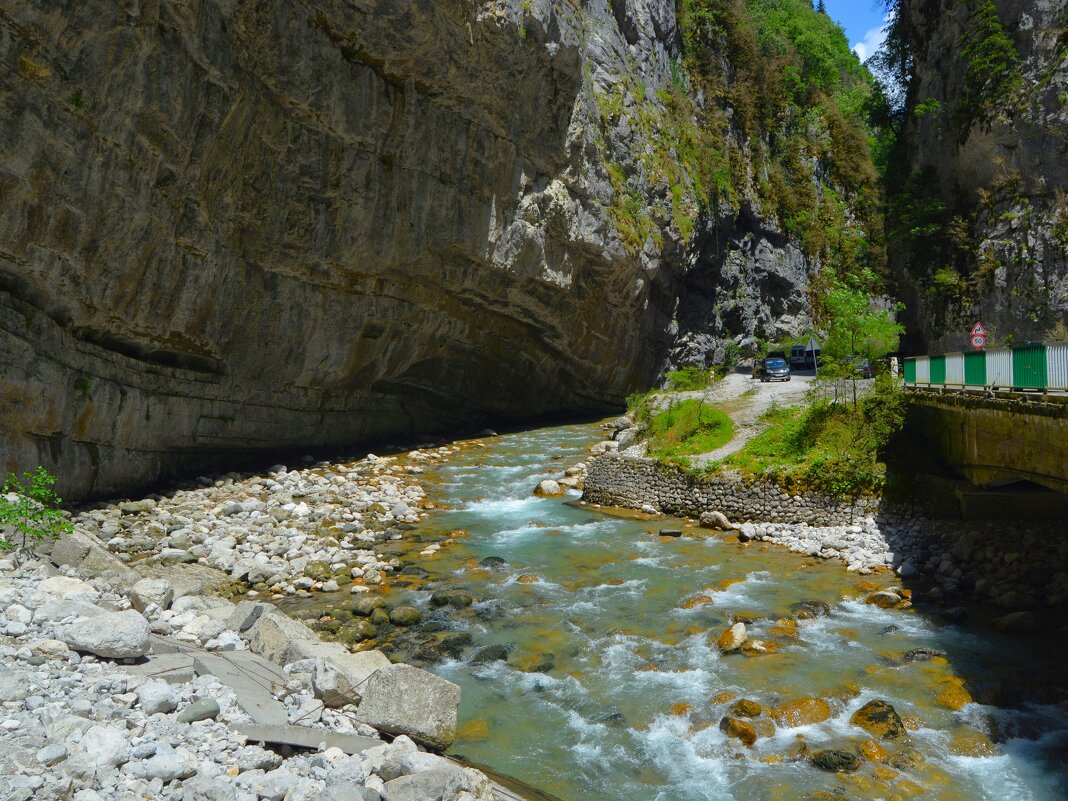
128,676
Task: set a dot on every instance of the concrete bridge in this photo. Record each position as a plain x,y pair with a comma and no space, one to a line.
996,439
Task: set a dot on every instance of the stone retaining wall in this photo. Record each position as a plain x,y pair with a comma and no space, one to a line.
632,482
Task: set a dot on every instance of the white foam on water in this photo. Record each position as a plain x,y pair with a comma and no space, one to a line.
631,587
692,764
510,535
498,507
858,613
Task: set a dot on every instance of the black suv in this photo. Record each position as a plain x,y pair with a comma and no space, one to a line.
774,368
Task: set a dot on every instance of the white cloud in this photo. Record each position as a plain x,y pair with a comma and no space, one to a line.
873,40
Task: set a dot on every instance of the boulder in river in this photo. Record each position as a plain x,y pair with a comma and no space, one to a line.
716,520
401,699
879,719
733,638
921,654
493,563
836,761
884,599
405,616
548,489
366,605
739,729
746,709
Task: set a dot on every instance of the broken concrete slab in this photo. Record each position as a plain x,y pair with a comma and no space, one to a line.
244,615
339,680
252,679
172,668
304,737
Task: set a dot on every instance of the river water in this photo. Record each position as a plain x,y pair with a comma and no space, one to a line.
614,689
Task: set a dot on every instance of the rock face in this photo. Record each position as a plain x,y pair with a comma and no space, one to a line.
305,225
984,133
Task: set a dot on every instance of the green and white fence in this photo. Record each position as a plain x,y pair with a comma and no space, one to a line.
1042,367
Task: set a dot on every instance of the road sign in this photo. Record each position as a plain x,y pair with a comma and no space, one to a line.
978,342
978,330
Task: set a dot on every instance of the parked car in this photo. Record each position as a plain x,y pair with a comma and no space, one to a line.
862,367
774,368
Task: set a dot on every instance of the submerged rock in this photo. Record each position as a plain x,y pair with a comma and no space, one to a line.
807,610
802,711
405,616
491,653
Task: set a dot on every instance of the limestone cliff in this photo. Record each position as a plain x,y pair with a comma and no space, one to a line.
243,226
980,215
258,225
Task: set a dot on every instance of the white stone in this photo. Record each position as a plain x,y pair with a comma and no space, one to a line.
101,748
157,696
117,635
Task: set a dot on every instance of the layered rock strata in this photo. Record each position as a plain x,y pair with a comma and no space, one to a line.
230,228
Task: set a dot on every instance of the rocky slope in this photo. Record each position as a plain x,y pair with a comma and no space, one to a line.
981,216
230,228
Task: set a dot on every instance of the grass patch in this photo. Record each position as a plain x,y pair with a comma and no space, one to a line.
689,379
837,449
688,428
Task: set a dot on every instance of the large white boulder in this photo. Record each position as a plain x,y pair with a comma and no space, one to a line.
117,635
282,640
401,699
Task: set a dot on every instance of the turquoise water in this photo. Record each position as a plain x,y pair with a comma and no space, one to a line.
631,687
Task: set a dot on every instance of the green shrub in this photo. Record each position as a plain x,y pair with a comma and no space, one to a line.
688,428
689,379
29,509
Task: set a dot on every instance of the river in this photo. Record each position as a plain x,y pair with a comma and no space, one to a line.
614,687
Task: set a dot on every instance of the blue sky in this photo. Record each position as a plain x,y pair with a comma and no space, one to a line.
863,22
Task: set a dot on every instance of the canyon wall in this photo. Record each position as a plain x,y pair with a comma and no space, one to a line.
980,216
237,227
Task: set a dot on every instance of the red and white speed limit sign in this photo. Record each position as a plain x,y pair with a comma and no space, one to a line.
978,342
